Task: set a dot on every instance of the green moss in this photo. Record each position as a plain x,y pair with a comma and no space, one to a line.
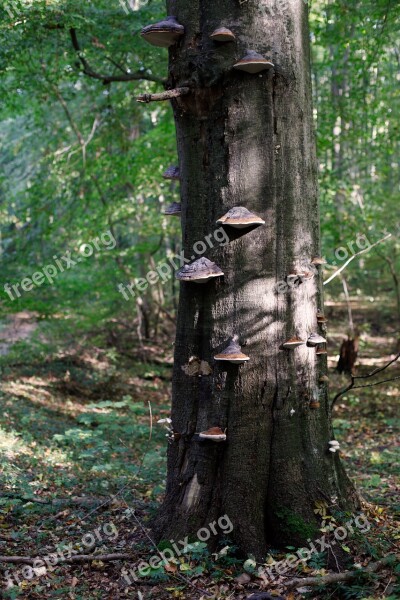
294,524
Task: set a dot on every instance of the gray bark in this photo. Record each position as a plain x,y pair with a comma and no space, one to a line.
247,140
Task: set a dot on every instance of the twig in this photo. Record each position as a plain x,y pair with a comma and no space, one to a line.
351,385
336,577
27,560
336,273
167,95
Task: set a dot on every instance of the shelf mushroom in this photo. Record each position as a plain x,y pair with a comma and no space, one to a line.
292,343
334,446
163,34
321,317
215,434
222,34
314,339
299,277
315,403
233,353
172,172
321,351
199,271
173,210
318,260
253,63
323,379
240,218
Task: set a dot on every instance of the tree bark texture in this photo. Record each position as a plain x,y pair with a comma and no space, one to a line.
247,140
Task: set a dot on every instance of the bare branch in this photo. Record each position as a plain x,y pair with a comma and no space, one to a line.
336,273
27,560
167,95
351,385
87,69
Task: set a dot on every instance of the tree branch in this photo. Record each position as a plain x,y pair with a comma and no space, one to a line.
336,577
336,273
167,95
87,69
374,372
27,560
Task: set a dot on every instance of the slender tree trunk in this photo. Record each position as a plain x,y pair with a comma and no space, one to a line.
247,140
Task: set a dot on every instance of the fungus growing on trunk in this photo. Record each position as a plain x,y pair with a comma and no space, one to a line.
292,343
253,63
233,353
163,34
314,339
172,172
173,210
240,218
318,260
199,271
215,434
222,34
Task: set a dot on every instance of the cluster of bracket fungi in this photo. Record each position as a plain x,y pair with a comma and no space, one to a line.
166,33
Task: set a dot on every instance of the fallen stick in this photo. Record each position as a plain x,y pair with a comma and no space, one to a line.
27,560
336,577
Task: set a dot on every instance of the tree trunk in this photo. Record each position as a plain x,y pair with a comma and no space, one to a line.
247,140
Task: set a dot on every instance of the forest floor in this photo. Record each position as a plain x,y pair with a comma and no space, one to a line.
83,467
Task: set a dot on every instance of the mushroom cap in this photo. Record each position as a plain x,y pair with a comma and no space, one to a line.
323,379
334,443
253,62
314,339
321,351
172,172
315,404
293,342
318,260
214,433
306,275
232,353
199,271
321,319
222,34
173,210
163,34
240,217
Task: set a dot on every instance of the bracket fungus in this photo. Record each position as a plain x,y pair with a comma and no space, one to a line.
321,317
222,34
334,446
323,379
173,210
253,63
315,404
321,351
199,271
314,339
233,353
215,434
318,260
240,218
172,172
292,343
163,34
